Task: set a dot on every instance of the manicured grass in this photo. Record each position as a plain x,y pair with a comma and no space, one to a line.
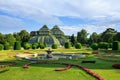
46,71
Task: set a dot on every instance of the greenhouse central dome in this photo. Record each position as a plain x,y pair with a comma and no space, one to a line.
47,36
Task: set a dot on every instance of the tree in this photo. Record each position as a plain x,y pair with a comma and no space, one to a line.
78,46
24,36
2,39
72,40
42,46
108,35
93,38
82,36
17,45
17,36
67,45
10,39
117,37
54,46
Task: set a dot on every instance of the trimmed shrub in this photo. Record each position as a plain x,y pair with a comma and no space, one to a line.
103,45
35,45
78,46
17,45
54,46
6,46
42,46
67,45
94,46
27,45
1,47
116,45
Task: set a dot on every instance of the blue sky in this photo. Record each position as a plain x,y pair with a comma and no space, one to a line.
70,15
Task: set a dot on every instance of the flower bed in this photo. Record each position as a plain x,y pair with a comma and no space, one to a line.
4,68
117,66
63,69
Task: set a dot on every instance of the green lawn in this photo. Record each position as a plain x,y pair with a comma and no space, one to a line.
46,71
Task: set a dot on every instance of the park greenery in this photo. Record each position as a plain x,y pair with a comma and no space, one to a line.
103,48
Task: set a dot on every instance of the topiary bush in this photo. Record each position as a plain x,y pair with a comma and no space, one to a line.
116,45
27,45
94,46
67,45
103,45
54,46
35,46
1,47
17,46
42,46
6,46
78,46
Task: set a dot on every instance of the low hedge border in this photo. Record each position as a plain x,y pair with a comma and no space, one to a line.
4,68
26,66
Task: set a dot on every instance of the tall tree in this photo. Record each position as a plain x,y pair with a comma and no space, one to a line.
10,39
72,40
2,39
108,35
82,36
17,36
93,38
117,37
24,36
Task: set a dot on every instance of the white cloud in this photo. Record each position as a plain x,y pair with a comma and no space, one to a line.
102,12
90,28
8,24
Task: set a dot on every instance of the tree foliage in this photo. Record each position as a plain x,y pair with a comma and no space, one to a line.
1,47
10,39
72,40
82,36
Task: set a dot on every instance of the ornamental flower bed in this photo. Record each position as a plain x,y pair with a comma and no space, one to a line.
26,66
117,66
63,69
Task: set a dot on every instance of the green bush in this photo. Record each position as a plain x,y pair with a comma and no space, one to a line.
42,46
27,45
54,46
67,45
35,45
6,46
78,46
1,47
94,46
103,45
17,46
116,45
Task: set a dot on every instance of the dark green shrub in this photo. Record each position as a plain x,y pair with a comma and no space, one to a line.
27,45
6,46
116,45
1,47
17,45
103,45
54,46
42,46
94,46
78,46
110,45
35,45
67,45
